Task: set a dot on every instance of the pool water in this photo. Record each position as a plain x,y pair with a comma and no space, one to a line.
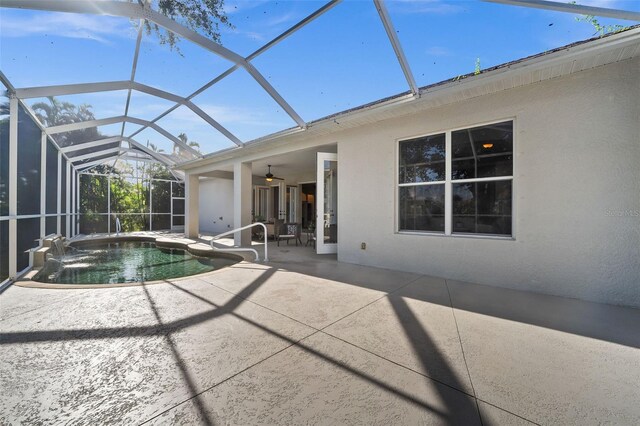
125,262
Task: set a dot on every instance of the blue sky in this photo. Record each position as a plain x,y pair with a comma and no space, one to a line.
341,60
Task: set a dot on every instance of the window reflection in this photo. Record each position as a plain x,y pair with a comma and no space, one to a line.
422,159
480,152
422,208
482,207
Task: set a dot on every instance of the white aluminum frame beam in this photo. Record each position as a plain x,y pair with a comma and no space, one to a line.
12,90
135,151
72,89
85,166
626,15
136,11
94,154
157,155
91,144
143,159
164,133
133,73
119,119
300,24
83,125
397,46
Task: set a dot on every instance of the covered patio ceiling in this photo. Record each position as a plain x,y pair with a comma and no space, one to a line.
128,144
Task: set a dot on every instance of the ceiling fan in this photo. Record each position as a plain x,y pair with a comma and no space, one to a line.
269,176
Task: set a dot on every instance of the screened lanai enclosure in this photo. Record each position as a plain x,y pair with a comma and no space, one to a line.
64,187
104,101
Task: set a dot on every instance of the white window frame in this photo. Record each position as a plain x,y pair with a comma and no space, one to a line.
448,184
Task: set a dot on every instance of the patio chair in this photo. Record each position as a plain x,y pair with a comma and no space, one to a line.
274,228
311,237
289,231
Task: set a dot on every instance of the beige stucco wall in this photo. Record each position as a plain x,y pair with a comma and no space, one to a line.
576,196
216,200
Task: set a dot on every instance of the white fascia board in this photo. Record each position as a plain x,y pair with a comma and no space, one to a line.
626,15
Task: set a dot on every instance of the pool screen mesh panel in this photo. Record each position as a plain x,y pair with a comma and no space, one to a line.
143,81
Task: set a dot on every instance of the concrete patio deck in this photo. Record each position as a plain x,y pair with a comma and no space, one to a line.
305,339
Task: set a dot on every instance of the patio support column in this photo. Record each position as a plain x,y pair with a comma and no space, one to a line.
59,196
242,186
13,187
191,205
43,184
67,219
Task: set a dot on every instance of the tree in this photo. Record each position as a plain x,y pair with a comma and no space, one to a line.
4,108
203,16
56,112
177,149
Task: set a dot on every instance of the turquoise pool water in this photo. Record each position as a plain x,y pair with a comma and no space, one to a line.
125,262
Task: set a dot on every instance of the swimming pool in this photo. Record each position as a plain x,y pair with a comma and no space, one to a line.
125,262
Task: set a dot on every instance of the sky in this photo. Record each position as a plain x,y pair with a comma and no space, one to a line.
339,61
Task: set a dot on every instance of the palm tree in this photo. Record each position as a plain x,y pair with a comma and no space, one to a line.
55,112
183,137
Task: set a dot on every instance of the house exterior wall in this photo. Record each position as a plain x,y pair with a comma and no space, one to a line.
576,190
216,200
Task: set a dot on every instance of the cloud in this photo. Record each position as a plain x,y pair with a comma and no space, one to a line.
254,35
436,7
242,116
287,18
264,24
68,25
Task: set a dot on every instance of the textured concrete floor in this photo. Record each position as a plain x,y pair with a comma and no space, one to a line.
304,340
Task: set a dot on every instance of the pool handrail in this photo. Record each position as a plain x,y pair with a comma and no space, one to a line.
233,231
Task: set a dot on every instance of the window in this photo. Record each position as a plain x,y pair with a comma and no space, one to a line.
422,181
466,189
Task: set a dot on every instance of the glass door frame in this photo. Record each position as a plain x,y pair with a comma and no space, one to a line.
321,246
